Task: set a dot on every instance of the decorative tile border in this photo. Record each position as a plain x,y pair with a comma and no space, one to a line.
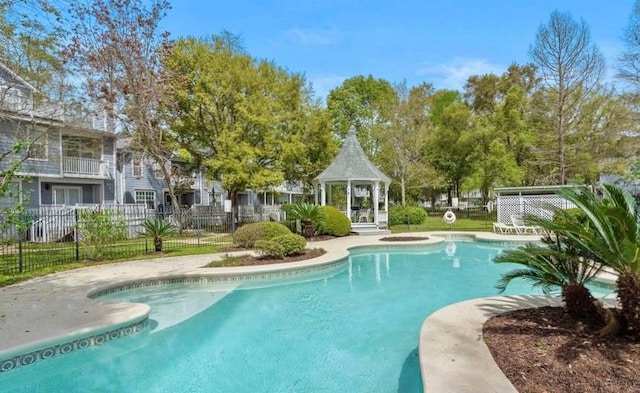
99,339
65,348
214,278
604,284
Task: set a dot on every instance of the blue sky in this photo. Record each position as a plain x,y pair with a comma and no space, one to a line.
440,42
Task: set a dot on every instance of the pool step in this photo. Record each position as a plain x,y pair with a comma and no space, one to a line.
370,231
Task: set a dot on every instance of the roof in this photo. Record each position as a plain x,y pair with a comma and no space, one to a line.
352,163
17,77
632,186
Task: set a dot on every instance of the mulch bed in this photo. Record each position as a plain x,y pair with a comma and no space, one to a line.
543,350
250,260
403,238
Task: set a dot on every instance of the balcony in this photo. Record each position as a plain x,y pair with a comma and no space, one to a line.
84,167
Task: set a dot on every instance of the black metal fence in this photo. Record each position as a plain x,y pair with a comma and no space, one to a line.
56,236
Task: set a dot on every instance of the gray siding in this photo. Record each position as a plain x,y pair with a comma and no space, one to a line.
146,182
51,166
127,184
30,191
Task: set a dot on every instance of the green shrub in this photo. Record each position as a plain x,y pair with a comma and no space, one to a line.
270,248
335,222
98,229
286,208
574,213
281,246
409,215
248,234
292,244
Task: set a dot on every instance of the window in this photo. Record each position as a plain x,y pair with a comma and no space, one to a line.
136,166
37,142
146,197
67,195
216,199
79,147
157,171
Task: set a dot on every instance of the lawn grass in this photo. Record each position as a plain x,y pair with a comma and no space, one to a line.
8,279
436,223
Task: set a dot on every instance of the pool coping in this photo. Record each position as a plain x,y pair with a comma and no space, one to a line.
44,315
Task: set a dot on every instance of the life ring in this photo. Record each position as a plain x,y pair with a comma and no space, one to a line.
449,217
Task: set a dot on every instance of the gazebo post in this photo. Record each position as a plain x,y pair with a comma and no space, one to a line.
386,200
349,199
376,188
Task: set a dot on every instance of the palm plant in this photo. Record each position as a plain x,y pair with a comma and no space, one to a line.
610,236
158,228
555,264
310,216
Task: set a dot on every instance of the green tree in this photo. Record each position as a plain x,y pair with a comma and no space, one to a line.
30,41
569,65
494,166
402,145
33,83
366,103
502,106
451,148
310,147
234,114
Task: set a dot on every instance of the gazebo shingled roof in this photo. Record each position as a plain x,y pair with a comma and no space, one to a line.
352,163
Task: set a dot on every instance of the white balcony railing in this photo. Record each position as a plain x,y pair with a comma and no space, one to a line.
82,166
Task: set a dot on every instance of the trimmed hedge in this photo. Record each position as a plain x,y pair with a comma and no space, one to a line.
409,215
247,235
293,244
282,246
335,222
270,248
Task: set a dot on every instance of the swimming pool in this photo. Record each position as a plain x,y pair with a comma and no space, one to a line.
354,330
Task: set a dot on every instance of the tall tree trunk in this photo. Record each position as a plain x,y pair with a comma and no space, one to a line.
629,298
579,302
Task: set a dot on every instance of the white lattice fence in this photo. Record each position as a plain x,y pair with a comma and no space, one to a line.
523,205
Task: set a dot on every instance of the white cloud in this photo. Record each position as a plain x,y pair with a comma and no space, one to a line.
313,36
454,74
323,84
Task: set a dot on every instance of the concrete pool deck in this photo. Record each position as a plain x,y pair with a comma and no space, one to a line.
53,310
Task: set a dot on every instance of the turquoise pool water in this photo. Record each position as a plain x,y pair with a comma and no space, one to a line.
354,330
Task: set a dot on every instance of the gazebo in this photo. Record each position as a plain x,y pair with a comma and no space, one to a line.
353,184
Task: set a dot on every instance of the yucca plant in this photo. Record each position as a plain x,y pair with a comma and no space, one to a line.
158,228
310,216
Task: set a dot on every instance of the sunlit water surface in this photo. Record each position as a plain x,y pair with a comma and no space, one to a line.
353,330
